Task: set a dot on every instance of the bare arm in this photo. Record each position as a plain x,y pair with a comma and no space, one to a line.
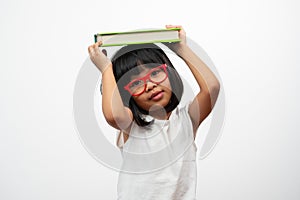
205,100
115,113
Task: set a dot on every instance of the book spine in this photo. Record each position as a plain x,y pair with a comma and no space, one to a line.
139,31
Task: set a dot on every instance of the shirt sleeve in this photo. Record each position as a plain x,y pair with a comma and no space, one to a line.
120,139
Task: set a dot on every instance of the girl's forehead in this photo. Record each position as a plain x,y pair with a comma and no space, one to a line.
139,71
147,66
142,68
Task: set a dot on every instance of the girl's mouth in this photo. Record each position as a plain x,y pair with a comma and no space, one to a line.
157,96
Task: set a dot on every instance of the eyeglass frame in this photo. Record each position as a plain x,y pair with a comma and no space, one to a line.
147,77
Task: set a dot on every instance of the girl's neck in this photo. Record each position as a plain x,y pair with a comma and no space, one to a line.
160,114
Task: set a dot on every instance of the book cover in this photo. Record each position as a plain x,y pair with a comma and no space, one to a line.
138,37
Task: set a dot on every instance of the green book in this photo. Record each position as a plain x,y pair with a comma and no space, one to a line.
138,37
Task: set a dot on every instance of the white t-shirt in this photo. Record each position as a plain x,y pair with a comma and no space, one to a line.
159,161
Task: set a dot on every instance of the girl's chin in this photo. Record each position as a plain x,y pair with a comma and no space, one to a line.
156,103
158,111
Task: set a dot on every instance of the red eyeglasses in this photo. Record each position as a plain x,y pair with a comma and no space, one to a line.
156,75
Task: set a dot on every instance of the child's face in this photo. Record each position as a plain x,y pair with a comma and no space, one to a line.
155,87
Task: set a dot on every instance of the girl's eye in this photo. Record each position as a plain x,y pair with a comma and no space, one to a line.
136,83
156,72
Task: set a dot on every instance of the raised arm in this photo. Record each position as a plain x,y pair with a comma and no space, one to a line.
115,113
205,100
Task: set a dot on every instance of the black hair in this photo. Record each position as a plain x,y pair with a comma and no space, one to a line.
127,59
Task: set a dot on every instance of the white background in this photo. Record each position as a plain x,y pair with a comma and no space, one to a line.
254,44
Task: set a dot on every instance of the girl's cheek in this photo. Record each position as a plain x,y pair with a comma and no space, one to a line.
166,84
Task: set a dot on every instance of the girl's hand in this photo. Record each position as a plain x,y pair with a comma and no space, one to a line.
98,57
177,46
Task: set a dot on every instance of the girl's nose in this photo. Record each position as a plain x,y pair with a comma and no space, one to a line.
150,85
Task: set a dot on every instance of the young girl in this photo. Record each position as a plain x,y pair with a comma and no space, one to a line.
141,91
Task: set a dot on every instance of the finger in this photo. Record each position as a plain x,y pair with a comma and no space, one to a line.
96,49
91,49
99,43
174,26
181,31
